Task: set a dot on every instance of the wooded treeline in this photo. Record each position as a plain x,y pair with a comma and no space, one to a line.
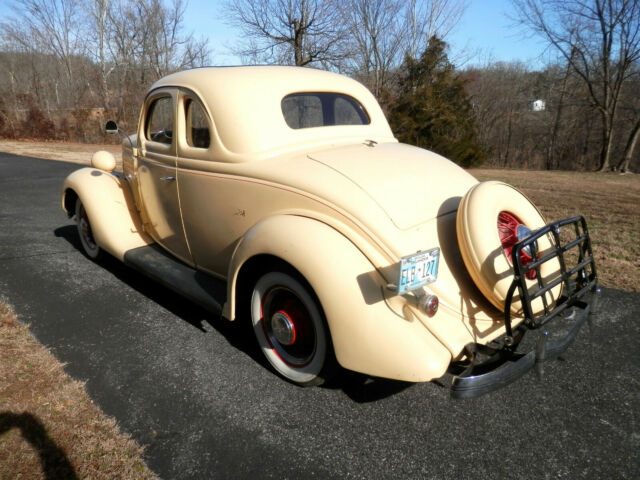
68,65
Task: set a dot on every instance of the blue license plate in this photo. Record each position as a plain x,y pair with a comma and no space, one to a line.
418,270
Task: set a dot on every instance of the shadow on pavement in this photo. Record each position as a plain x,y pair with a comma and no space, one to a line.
55,464
236,333
358,387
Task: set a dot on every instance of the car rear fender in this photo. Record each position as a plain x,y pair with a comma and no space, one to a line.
109,204
367,335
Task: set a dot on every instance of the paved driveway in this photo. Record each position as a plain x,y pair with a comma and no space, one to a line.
196,391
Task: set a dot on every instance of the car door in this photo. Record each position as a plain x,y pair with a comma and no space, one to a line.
204,183
157,173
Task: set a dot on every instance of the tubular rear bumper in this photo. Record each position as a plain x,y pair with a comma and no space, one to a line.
578,276
510,366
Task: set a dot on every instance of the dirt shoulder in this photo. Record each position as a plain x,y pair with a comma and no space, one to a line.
49,427
61,151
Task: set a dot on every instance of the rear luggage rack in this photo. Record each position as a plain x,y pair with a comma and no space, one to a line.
570,244
577,273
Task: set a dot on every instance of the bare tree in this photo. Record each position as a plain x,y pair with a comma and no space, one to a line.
296,32
47,26
600,40
165,47
64,62
97,12
377,33
630,117
427,18
383,32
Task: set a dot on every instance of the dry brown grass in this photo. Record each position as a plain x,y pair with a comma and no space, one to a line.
609,202
61,151
49,427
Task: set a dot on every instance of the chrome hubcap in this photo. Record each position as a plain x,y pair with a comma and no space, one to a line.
523,232
288,327
282,328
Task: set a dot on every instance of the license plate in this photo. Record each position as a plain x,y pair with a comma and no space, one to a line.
418,270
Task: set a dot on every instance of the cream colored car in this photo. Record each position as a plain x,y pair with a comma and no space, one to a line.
280,195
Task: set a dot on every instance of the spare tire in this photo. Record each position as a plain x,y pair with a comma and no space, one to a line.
491,218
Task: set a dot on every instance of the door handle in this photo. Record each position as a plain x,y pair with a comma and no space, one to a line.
169,178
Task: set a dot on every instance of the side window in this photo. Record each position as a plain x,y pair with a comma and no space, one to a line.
197,125
160,121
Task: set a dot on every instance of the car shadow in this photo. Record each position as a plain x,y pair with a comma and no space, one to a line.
363,388
54,462
358,387
178,305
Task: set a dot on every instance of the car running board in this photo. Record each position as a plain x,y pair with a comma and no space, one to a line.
207,291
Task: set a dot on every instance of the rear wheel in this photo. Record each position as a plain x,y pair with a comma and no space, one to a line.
290,329
89,245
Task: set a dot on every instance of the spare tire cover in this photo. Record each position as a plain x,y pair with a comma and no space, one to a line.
481,246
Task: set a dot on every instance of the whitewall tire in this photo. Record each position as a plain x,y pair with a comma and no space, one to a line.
290,328
89,245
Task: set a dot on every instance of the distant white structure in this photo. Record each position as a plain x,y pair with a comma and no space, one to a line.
539,105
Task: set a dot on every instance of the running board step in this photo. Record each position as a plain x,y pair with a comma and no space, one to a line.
208,292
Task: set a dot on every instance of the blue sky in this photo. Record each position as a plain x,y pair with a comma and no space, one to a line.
485,33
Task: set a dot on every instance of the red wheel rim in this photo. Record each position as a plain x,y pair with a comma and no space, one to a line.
282,302
508,232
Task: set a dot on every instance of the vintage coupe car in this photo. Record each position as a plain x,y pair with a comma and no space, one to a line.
281,193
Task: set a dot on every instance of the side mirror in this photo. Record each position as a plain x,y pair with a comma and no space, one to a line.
111,127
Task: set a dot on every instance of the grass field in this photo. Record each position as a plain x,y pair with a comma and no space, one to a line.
609,202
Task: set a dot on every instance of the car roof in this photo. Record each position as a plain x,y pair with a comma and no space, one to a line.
244,103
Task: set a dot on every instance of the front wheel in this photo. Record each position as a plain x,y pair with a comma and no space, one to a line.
89,245
290,329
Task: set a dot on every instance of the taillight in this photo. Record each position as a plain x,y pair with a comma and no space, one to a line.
429,305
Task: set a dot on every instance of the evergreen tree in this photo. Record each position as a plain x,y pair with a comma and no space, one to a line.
432,109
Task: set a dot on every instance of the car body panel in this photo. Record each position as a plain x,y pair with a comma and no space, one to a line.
410,184
117,227
365,331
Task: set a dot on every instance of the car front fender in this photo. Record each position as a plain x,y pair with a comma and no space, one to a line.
367,335
109,204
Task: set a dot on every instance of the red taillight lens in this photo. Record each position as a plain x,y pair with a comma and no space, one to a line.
429,305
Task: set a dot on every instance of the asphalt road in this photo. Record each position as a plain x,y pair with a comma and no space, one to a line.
195,390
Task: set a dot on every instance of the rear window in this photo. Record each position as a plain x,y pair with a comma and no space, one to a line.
308,110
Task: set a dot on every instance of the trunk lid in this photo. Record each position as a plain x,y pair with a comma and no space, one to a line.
409,184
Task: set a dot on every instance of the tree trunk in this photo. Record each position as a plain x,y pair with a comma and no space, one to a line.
509,131
605,153
551,163
623,166
297,43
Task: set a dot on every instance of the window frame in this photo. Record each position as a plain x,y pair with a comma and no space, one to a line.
189,101
149,115
186,151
